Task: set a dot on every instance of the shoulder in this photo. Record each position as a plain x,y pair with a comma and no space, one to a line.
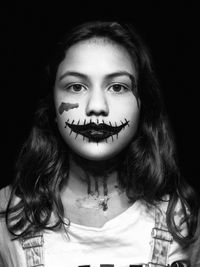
180,211
11,251
195,247
177,252
4,197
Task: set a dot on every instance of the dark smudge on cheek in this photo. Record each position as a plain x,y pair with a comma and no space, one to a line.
66,106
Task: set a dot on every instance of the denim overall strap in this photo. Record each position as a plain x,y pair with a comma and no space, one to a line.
162,239
33,247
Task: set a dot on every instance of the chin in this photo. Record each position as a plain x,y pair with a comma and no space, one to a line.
101,151
98,155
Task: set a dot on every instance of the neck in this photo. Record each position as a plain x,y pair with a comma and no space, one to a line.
100,168
94,177
96,180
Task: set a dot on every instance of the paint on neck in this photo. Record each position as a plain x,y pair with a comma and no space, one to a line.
94,200
66,106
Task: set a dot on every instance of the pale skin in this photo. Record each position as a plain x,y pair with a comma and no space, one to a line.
95,80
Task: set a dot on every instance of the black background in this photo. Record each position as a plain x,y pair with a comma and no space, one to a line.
29,31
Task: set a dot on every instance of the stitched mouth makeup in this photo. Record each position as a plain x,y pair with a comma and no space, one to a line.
96,132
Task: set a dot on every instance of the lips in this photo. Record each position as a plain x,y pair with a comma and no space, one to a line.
96,132
96,135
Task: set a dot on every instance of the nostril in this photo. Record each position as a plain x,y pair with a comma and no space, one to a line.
97,113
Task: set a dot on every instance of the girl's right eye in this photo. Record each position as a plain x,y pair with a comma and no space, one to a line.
77,87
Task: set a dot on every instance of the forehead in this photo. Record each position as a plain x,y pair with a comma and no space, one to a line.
97,56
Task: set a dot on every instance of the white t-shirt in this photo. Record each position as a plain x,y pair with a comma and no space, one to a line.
123,241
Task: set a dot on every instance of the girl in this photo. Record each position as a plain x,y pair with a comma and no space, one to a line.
97,181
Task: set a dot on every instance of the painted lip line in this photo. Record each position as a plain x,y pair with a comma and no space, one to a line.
96,132
96,135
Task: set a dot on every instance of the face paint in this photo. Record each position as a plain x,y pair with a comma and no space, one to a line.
96,132
107,116
66,106
93,200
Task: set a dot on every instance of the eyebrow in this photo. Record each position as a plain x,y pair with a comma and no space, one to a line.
108,76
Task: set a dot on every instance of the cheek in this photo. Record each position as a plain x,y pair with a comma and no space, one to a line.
134,121
69,116
132,113
128,108
135,117
66,107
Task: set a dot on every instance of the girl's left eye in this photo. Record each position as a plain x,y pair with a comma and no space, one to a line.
118,88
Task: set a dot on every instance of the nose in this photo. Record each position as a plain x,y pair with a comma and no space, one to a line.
97,103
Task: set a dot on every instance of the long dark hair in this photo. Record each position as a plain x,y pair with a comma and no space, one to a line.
149,165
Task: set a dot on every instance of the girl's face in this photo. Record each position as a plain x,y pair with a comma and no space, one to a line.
97,112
